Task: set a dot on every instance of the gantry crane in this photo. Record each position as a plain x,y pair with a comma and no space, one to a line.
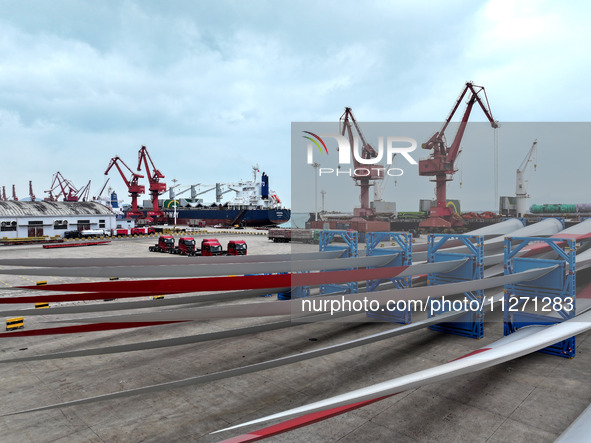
440,163
521,182
133,187
156,188
364,175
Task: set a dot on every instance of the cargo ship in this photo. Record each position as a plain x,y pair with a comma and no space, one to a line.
253,204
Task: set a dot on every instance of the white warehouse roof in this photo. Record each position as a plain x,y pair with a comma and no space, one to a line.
48,209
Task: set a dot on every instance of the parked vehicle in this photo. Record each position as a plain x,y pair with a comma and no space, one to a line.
210,247
95,233
236,247
165,244
142,230
186,246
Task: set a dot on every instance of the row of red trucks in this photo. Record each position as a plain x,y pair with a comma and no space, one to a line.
188,246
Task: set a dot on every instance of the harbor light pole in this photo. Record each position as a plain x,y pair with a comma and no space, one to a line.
315,166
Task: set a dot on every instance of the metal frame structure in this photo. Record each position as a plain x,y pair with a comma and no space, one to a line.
471,324
400,249
351,239
555,287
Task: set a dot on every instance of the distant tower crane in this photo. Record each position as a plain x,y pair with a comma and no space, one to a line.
133,187
521,182
440,163
31,194
156,188
364,175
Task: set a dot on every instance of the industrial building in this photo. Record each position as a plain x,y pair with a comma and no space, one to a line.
20,219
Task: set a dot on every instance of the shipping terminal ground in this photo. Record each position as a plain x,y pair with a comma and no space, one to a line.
531,398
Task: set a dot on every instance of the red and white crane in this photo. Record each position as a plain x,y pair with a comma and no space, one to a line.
440,163
156,188
133,187
364,175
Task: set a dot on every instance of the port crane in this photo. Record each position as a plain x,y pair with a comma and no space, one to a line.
364,175
14,197
100,194
156,188
66,187
521,181
31,194
3,197
83,193
133,187
441,162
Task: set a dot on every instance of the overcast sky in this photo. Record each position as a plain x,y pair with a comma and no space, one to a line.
211,87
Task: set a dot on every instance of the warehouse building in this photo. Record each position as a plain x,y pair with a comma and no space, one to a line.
19,219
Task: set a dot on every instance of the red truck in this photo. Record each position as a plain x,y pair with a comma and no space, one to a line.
236,247
165,244
209,247
185,246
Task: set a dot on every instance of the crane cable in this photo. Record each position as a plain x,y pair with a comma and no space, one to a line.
496,166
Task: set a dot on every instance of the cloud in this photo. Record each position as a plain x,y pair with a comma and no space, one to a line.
212,87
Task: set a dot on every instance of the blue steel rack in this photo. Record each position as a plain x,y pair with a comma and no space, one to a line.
350,249
471,324
400,249
558,285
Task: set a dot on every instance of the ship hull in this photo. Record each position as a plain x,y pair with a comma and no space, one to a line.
227,217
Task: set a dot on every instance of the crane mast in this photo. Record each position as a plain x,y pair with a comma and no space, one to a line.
364,175
133,187
521,181
441,161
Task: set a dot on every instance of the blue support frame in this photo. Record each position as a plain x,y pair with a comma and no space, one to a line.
557,285
471,324
400,249
351,250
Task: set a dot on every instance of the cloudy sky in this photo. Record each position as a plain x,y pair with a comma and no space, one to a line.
212,87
